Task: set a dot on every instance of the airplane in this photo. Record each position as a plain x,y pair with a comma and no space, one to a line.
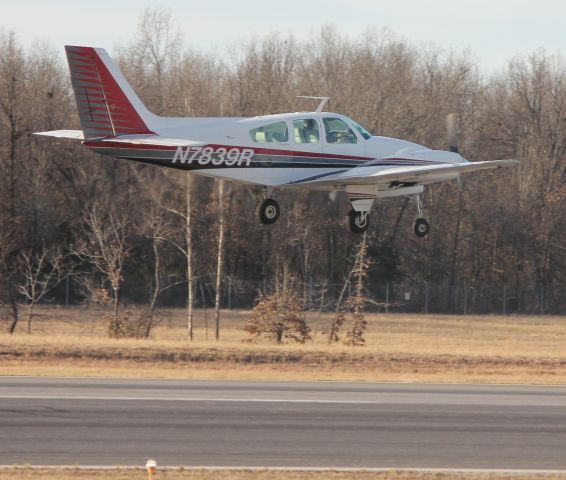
305,150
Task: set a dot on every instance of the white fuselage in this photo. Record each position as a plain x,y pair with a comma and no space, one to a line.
238,148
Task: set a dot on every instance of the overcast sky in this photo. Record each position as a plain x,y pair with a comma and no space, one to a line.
494,30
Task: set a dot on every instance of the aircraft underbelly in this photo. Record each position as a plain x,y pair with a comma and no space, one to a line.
271,176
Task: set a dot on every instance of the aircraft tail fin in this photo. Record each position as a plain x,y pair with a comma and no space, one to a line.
107,104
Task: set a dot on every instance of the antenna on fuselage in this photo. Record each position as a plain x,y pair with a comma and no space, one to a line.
323,101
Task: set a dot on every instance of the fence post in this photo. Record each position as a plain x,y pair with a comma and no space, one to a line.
310,293
229,293
426,298
504,300
541,299
67,291
322,293
386,297
465,299
203,299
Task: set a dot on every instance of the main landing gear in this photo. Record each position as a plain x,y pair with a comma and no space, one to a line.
268,211
421,226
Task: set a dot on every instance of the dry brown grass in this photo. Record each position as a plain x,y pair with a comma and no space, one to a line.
117,474
441,348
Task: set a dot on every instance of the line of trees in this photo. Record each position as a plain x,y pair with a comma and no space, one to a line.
135,234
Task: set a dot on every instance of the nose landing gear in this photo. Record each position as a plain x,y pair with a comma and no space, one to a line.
268,209
358,221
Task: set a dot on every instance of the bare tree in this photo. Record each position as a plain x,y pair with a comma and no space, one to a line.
104,247
8,250
152,54
183,242
41,270
12,92
356,303
340,311
159,233
12,130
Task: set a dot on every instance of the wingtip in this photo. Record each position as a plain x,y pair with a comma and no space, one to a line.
506,162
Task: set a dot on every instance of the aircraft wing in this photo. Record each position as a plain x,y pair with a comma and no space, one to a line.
375,174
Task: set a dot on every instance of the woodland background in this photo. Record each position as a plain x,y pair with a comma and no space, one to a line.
80,228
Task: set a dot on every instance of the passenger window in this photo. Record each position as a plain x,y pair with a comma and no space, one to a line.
306,131
337,131
274,132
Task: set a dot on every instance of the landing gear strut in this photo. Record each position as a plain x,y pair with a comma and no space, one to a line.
358,221
421,226
268,211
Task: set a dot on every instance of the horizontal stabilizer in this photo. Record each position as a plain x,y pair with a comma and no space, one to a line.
73,134
145,140
150,140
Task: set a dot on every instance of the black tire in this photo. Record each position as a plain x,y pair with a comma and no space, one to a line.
421,227
268,211
355,222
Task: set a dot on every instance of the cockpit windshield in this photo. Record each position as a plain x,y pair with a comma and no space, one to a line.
363,132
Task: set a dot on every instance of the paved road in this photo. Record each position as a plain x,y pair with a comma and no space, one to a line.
124,422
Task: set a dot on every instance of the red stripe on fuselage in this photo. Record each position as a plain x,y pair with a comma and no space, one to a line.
257,151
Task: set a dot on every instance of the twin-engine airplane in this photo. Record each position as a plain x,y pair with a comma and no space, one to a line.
306,150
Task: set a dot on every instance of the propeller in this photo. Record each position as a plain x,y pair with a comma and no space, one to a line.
452,137
452,132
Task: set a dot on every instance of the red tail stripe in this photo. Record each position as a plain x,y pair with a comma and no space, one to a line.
88,68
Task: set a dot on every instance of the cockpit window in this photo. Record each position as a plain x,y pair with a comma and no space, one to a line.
363,132
274,132
306,131
337,131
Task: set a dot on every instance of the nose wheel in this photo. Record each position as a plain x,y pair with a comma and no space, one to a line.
358,221
268,211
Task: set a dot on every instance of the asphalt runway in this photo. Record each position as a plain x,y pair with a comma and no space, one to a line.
281,424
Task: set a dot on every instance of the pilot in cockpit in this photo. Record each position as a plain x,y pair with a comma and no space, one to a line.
309,131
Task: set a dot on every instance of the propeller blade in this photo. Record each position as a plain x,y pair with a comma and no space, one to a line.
452,133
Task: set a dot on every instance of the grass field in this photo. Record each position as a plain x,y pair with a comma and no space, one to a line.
130,474
435,348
